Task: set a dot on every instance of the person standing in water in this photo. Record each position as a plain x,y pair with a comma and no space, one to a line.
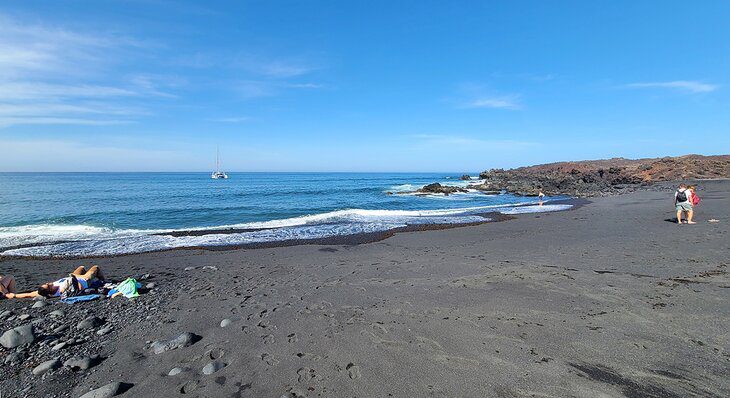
540,197
683,204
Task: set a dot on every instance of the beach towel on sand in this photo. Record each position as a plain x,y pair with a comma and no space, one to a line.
78,299
128,288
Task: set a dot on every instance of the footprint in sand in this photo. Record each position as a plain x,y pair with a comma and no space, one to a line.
380,329
353,371
270,360
305,374
189,387
268,339
215,353
293,338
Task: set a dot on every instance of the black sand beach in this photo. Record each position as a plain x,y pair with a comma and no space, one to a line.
610,300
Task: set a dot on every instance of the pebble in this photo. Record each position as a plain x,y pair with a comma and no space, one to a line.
24,317
151,285
81,363
58,313
104,331
183,340
176,371
90,323
189,268
46,367
213,367
60,329
15,358
59,346
107,391
226,323
5,314
39,304
18,336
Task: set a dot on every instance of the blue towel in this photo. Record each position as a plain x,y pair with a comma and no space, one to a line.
78,299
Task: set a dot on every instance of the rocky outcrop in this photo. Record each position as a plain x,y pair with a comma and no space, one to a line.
603,177
465,177
438,188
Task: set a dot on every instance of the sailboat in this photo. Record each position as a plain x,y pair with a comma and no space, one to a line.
218,174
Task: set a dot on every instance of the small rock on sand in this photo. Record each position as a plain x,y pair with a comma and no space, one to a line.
107,391
90,323
60,329
59,346
183,340
58,313
81,363
46,366
213,367
104,331
226,323
18,336
39,304
15,358
176,371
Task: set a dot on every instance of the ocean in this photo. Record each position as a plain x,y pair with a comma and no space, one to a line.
88,214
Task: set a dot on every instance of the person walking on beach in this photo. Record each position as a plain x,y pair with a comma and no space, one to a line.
7,285
694,199
540,197
683,204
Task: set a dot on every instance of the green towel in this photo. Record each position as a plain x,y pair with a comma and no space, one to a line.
129,288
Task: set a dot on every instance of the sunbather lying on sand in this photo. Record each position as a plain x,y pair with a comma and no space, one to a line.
83,278
7,285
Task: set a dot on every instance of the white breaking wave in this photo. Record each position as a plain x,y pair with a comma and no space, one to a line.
535,209
44,233
147,243
83,240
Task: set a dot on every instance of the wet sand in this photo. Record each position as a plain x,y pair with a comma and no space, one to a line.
610,299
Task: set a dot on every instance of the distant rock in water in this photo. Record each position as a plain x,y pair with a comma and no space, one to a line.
465,177
603,177
438,188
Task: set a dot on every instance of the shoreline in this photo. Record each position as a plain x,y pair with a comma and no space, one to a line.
353,239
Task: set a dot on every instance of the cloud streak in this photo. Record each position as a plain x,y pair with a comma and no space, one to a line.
49,76
683,85
504,102
446,140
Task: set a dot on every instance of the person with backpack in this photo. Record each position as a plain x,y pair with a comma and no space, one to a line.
683,203
76,282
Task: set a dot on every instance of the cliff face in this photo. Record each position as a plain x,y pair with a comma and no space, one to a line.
604,177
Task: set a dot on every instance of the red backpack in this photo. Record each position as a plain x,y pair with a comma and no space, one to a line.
695,199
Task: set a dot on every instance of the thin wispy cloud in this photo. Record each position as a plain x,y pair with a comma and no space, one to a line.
478,96
447,140
250,89
234,119
50,75
683,85
503,102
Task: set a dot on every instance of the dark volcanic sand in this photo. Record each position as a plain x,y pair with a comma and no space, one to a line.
606,300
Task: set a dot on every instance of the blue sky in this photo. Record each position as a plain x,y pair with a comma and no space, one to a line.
358,85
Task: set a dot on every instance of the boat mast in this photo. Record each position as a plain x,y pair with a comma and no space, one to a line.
217,159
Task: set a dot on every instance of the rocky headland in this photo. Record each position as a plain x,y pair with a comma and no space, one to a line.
603,177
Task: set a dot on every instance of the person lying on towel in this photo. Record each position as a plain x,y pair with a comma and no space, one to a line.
78,281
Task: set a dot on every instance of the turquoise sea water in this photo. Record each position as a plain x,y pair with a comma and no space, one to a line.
113,213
